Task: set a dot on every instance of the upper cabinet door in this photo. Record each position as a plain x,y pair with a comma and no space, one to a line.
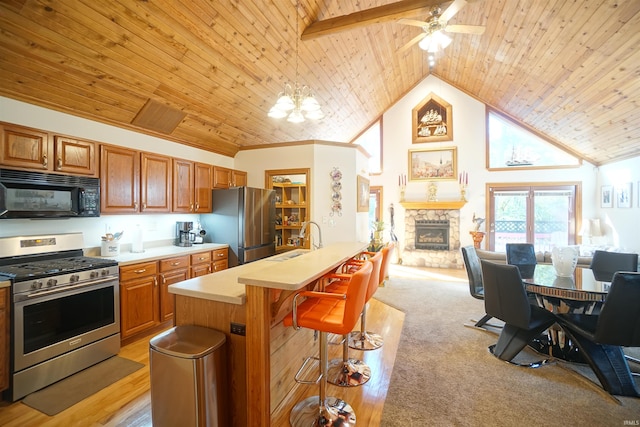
202,187
26,148
221,177
155,182
75,156
119,180
238,178
183,186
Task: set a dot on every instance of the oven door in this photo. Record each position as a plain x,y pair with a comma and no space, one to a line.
50,325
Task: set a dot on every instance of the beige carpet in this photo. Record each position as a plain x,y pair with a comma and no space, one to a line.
71,390
445,376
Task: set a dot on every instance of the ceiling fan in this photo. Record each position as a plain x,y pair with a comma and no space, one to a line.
433,38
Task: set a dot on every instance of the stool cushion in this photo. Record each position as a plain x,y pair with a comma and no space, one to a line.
332,312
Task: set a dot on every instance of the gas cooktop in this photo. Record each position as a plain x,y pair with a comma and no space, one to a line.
22,270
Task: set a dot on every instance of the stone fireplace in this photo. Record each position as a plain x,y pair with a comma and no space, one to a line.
432,234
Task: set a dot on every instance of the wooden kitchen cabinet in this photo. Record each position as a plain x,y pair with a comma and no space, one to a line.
41,151
201,264
132,181
172,270
4,338
292,210
155,183
192,185
225,177
139,298
220,259
119,180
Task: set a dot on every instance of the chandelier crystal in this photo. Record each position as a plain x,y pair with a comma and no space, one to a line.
296,102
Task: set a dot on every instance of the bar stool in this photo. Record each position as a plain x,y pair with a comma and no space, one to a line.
327,312
350,372
366,340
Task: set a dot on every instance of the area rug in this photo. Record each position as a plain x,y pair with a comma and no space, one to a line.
444,375
71,390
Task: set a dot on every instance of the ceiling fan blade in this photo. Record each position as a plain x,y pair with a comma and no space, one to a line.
413,41
466,29
452,10
414,22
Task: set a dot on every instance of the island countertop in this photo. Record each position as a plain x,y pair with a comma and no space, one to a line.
287,271
294,273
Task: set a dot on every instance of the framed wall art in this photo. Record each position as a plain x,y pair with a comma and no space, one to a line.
362,194
624,195
606,196
432,120
433,164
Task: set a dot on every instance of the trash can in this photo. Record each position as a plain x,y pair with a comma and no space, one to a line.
188,377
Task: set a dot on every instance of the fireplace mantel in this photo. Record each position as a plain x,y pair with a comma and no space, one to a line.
437,205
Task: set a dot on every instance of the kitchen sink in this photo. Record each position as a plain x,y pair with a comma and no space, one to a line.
288,255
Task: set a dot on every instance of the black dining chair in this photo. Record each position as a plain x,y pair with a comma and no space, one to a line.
601,337
604,264
474,273
522,255
505,298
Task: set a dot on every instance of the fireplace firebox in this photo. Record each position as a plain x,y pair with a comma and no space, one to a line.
432,235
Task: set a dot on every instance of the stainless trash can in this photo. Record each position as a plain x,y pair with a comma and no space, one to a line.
188,377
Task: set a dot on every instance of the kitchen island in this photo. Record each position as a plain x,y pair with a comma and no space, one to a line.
262,354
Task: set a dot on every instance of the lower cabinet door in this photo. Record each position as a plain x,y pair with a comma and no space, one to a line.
167,300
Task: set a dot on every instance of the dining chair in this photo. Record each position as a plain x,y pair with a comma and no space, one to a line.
474,273
601,337
505,298
522,255
604,264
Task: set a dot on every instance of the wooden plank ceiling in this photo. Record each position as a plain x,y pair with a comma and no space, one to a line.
568,69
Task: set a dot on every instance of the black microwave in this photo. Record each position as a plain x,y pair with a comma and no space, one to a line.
44,195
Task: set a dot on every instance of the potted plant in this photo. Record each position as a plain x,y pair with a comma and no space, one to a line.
376,243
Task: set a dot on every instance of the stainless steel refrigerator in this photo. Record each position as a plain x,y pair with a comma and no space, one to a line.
245,219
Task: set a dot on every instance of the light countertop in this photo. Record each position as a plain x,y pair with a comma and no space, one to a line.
289,270
160,252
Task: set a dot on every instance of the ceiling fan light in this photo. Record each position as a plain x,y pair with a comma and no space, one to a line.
441,39
295,117
425,43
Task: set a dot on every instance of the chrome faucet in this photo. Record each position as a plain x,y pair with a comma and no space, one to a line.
304,226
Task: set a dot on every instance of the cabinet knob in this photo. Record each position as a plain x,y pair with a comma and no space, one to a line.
197,206
142,270
45,161
59,163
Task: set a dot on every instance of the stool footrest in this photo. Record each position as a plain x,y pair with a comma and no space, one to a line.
303,368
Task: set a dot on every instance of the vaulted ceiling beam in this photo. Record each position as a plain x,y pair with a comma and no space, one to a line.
376,15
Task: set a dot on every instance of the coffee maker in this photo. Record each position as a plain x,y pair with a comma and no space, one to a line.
184,233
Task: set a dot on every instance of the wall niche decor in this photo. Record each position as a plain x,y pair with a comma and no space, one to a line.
432,120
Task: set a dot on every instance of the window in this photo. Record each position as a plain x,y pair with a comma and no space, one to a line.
510,145
371,140
544,215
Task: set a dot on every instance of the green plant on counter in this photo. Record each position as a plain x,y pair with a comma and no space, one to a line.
376,243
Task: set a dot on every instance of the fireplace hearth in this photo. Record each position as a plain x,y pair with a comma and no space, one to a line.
432,235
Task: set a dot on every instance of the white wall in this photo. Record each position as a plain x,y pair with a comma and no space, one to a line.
619,225
469,138
320,159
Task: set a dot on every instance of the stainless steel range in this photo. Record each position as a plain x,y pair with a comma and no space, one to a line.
65,313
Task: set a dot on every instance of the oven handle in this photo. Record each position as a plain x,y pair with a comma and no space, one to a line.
67,288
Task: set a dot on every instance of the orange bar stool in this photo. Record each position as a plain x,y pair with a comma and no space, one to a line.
351,372
365,340
326,313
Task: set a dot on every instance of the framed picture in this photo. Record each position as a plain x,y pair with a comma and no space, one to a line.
432,120
624,195
362,194
433,164
606,196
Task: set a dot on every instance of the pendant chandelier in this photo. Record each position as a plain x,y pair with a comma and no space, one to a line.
296,102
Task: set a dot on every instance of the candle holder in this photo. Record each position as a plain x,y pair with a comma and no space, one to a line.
463,192
402,188
432,192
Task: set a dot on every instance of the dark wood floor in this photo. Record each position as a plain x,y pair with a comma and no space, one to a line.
128,402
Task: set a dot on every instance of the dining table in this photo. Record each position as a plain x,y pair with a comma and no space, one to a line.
581,293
